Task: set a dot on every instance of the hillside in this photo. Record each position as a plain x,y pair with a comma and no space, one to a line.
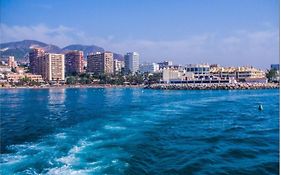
20,49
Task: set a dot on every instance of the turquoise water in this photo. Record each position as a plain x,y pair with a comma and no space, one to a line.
136,131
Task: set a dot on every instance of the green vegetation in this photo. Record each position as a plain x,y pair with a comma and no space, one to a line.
119,79
272,75
153,78
27,82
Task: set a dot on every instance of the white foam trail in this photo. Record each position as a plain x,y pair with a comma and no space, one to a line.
65,153
67,159
11,159
61,136
109,127
71,157
66,170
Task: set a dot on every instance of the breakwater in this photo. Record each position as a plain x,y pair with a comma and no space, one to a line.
214,86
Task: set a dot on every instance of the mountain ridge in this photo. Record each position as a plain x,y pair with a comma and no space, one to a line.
20,49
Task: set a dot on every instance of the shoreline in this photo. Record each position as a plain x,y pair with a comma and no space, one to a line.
199,86
214,86
74,86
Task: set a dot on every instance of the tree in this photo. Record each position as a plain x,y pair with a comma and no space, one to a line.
34,83
71,80
271,74
154,78
136,78
84,80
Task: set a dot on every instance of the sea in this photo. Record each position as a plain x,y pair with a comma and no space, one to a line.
139,131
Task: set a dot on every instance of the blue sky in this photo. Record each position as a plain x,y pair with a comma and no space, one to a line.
228,32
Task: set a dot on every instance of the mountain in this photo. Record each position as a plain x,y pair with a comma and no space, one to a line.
23,44
118,56
20,49
52,49
86,49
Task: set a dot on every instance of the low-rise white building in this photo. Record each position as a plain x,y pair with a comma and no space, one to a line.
239,73
5,69
15,77
199,70
176,75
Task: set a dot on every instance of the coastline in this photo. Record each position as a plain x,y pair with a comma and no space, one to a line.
199,86
214,86
73,86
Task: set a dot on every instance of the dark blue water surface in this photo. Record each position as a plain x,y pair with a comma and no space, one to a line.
136,131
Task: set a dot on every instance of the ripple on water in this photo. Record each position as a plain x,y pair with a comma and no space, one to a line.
164,132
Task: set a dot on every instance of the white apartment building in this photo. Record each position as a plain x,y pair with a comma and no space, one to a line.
132,60
53,67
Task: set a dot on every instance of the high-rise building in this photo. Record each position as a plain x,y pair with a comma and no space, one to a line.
53,67
118,65
132,62
74,62
34,60
11,62
100,63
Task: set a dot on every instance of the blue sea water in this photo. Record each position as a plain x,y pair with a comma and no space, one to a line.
136,131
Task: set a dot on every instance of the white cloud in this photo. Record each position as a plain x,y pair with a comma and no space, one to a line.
60,35
258,48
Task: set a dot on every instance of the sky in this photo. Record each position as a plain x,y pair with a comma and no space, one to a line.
226,32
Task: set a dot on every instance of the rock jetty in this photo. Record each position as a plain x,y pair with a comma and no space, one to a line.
214,86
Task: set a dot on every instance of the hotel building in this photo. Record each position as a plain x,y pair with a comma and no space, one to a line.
132,62
239,73
74,62
53,67
100,63
34,56
15,77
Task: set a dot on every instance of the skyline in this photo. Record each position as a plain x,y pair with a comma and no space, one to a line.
227,33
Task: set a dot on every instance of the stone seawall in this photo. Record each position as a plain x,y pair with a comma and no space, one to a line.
214,86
